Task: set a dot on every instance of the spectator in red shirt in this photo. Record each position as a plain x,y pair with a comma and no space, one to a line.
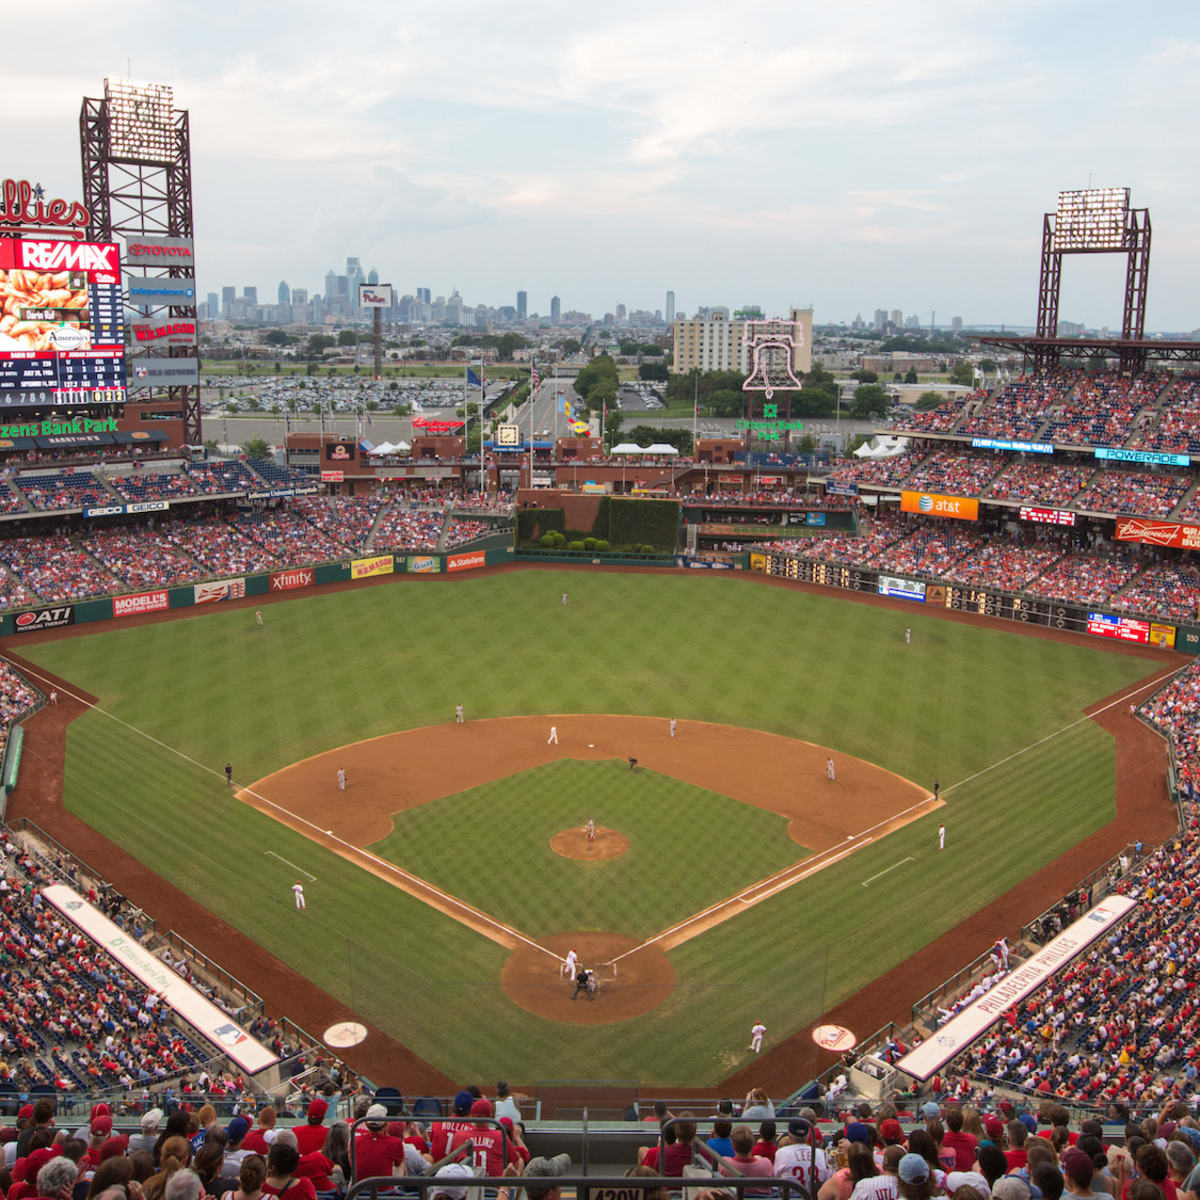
488,1141
311,1136
281,1178
962,1144
258,1140
1015,1155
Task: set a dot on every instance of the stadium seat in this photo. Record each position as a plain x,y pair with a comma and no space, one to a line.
392,1099
428,1108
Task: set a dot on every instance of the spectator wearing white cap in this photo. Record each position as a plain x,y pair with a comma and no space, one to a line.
145,1140
542,1167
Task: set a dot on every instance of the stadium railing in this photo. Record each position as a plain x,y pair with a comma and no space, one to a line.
582,1186
252,1005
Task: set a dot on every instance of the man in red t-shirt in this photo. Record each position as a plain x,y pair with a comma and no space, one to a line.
440,1132
962,1144
376,1152
488,1156
256,1141
311,1137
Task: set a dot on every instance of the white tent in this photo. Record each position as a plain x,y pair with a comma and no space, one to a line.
628,448
399,446
383,448
882,447
661,448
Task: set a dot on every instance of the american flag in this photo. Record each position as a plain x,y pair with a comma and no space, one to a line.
535,379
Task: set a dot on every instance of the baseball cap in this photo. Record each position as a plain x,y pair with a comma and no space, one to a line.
913,1169
890,1130
856,1131
25,1112
929,1110
1029,1121
1077,1165
993,1127
799,1127
237,1129
463,1102
971,1179
455,1170
376,1113
1011,1187
481,1107
557,1166
101,1126
317,1110
151,1119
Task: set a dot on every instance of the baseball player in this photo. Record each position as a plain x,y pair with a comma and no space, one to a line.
583,983
673,724
341,778
53,697
229,774
941,837
591,830
298,892
258,616
936,789
1002,951
829,771
458,714
569,964
552,740
908,635
756,1036
564,600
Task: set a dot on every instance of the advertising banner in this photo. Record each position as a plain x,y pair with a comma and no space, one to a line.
145,292
365,568
159,251
906,589
1124,629
834,488
163,372
466,562
814,518
1047,516
930,504
1004,444
287,581
170,331
194,1007
375,295
1158,533
141,506
1142,456
423,564
340,452
131,606
758,562
1162,636
332,476
960,1031
44,618
219,589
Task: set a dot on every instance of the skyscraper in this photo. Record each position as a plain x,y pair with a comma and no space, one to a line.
285,292
522,305
228,296
354,276
214,306
251,294
330,284
555,310
670,307
373,276
425,295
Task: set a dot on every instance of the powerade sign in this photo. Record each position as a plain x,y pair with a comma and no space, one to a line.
1142,456
1021,447
44,618
905,589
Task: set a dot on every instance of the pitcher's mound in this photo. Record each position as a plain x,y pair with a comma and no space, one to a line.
532,979
573,843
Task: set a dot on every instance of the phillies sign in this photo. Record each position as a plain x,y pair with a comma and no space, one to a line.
23,205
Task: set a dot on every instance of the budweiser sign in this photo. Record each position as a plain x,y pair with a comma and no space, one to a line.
23,205
1158,533
286,581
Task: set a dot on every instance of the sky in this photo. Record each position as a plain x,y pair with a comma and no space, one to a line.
847,157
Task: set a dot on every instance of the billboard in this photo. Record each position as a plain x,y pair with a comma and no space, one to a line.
166,331
960,1031
1142,456
930,504
131,606
365,568
159,251
286,581
65,343
905,589
219,589
466,562
1047,516
38,619
333,476
164,372
194,1007
340,452
1158,533
374,295
423,564
1124,629
147,292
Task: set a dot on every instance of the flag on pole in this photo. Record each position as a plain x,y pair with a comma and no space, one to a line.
535,380
473,380
564,405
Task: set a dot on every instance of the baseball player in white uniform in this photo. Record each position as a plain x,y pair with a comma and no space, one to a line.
1002,952
756,1036
569,964
459,719
590,830
552,740
341,778
673,724
829,769
908,635
941,837
298,892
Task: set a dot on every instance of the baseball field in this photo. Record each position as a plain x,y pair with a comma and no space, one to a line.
731,879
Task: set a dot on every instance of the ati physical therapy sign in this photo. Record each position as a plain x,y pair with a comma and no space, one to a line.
770,428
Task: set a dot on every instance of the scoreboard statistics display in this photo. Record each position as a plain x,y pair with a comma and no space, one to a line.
1125,629
62,336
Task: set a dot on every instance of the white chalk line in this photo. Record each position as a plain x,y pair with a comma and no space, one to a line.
886,870
291,864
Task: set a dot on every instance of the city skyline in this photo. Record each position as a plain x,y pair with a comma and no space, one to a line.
796,154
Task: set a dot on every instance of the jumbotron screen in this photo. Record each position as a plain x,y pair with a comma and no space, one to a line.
62,339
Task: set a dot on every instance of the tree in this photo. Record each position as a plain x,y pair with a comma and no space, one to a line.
602,393
870,400
807,444
256,448
865,376
600,368
647,435
317,344
962,374
817,400
656,371
911,375
988,365
726,403
928,400
276,337
569,346
612,428
347,337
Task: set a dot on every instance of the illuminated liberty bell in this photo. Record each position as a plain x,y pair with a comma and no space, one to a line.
772,346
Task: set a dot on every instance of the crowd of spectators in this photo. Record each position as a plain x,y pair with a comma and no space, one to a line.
219,476
940,419
1087,578
881,472
139,558
407,529
288,536
10,502
1021,407
1010,564
346,519
219,547
1103,409
933,548
1175,428
17,699
460,531
1047,483
957,472
1175,709
54,568
67,490
1145,493
1166,589
140,486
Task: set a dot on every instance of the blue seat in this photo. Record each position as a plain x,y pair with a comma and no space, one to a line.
391,1098
428,1108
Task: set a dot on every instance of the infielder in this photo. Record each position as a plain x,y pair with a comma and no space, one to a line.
298,892
756,1036
459,719
569,963
552,740
829,770
673,724
341,778
590,828
941,837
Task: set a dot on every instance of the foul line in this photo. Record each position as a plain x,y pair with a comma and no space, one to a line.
887,869
290,864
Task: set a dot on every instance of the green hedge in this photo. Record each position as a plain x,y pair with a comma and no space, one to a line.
643,522
533,522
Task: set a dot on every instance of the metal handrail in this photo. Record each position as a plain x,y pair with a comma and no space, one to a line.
593,1187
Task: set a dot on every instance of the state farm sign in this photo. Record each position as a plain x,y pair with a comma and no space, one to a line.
286,581
131,606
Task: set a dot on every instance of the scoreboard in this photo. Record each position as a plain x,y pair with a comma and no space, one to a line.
62,336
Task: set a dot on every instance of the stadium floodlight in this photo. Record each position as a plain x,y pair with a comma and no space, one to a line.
141,123
1091,219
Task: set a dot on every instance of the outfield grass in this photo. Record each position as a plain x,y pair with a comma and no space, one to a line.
334,668
565,895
